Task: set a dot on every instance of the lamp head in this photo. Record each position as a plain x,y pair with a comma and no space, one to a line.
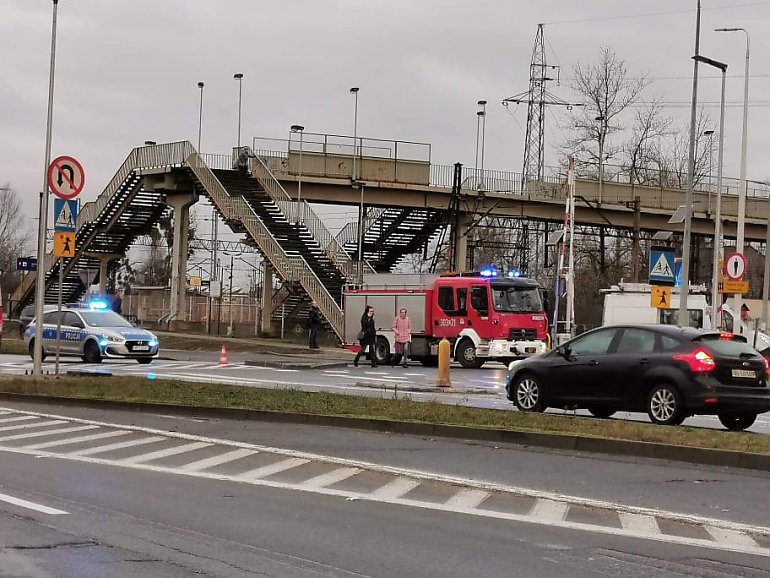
200,85
708,132
354,90
297,128
237,76
482,103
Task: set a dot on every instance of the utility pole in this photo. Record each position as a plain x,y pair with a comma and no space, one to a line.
536,99
637,227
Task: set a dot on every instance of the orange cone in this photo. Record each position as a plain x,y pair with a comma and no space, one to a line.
223,356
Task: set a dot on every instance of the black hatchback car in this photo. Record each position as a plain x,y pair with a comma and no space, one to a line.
669,372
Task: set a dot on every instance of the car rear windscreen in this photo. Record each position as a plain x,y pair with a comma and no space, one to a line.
732,346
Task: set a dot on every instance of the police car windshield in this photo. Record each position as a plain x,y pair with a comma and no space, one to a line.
516,299
104,319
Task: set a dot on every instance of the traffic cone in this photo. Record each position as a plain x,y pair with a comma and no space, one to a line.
223,356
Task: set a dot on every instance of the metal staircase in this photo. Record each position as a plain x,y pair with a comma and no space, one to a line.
390,234
106,226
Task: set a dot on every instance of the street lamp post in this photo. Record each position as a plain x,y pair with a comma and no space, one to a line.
200,116
482,115
37,367
738,301
710,134
717,244
684,290
297,214
354,92
239,77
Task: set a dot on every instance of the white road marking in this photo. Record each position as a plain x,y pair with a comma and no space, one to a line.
19,418
115,446
183,449
731,537
395,489
50,432
467,499
208,463
32,425
265,471
31,505
330,478
639,524
282,370
76,440
549,510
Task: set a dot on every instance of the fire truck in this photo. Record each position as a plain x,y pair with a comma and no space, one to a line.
485,316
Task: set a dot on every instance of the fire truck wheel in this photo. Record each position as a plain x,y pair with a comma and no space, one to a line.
381,351
466,355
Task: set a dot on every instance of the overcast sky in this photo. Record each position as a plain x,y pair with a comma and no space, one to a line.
128,72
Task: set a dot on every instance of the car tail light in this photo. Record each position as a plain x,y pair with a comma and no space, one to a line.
726,336
767,365
699,360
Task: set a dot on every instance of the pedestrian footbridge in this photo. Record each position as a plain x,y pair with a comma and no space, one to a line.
404,203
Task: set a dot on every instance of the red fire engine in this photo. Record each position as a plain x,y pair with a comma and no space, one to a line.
485,317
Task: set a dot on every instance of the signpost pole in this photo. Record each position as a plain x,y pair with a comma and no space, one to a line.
37,366
58,317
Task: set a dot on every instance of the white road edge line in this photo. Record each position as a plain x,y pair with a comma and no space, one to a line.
31,505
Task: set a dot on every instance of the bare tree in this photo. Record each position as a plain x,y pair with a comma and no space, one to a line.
674,155
607,92
642,148
13,236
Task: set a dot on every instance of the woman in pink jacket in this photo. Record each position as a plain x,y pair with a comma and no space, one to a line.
402,328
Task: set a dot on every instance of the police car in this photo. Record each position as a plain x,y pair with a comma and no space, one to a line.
94,333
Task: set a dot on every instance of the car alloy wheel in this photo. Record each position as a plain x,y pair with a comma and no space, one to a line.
664,405
528,395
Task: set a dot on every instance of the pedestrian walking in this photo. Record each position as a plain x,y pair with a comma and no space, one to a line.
367,336
402,330
314,315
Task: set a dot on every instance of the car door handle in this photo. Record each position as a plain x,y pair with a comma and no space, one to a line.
643,361
593,362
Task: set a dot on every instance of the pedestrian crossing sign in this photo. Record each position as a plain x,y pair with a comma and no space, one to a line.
660,297
65,215
63,244
662,267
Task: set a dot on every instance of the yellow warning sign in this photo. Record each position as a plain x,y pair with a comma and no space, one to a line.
195,281
732,287
63,244
660,297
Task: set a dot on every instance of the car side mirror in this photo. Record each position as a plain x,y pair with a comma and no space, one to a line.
565,352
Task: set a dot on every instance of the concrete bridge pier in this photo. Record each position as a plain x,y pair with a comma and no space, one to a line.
461,241
266,309
180,203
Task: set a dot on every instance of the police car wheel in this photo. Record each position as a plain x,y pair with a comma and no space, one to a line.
91,353
32,350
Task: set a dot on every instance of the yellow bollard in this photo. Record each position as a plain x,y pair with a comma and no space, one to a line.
442,379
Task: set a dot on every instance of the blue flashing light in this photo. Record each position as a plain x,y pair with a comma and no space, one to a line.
514,273
98,304
152,343
150,376
488,272
104,342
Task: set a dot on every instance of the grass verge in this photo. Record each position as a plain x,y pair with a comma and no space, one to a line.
132,389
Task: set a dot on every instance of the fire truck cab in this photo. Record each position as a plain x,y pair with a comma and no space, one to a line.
485,318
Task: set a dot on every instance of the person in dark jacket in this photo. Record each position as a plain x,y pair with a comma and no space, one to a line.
367,336
314,316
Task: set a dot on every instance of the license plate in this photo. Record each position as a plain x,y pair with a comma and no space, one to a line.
141,348
744,373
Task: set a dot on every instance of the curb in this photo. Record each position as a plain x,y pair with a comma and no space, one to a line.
296,364
427,389
690,455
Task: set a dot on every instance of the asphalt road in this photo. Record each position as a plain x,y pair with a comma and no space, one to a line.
382,381
182,505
